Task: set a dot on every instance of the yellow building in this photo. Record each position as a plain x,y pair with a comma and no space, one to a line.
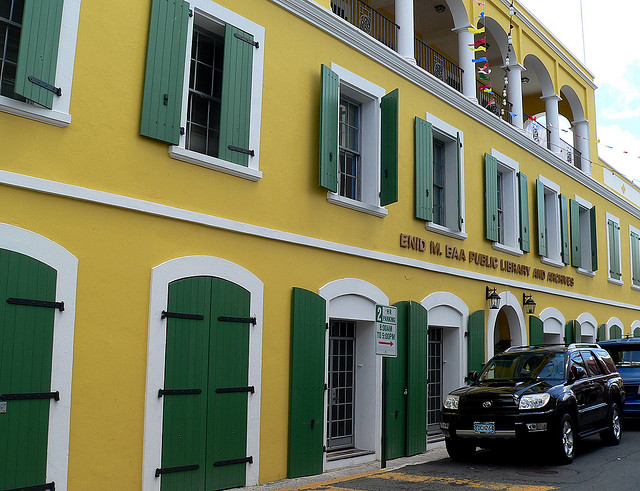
207,204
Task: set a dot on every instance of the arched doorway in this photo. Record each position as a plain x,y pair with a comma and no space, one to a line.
506,326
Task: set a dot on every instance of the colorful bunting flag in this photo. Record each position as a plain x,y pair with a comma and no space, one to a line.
480,60
476,31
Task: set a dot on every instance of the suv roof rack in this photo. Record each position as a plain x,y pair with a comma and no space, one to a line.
584,345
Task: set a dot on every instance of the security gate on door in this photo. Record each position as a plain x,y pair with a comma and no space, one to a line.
435,380
204,433
27,306
342,343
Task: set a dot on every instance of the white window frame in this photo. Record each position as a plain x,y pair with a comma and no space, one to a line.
609,216
207,13
509,169
447,134
552,221
585,235
631,258
369,95
58,115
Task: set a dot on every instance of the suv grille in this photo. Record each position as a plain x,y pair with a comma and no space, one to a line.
475,403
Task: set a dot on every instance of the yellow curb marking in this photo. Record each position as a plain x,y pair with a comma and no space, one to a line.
315,485
399,476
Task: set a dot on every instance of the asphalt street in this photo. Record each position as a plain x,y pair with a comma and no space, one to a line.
596,466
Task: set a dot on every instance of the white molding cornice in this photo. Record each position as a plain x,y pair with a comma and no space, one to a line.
333,25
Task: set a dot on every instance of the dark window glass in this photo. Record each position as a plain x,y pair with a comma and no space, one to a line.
438,182
10,25
205,82
593,366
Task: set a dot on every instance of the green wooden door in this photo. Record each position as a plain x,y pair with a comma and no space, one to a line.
306,391
475,340
206,366
536,331
416,379
26,342
395,384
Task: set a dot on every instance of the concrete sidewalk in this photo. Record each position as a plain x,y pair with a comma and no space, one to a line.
436,451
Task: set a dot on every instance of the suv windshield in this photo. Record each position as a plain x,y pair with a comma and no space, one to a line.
524,366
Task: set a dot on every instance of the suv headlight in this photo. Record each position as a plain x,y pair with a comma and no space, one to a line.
534,401
451,402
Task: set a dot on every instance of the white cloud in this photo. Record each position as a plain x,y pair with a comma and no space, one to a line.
625,154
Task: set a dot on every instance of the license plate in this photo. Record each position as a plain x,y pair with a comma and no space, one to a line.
484,428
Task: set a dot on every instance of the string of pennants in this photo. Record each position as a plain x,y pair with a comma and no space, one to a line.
479,47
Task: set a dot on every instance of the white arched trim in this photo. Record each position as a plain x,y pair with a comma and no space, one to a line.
552,320
458,13
355,299
614,321
161,276
634,325
514,313
588,325
66,264
437,304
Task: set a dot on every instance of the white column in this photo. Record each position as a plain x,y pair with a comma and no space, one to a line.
406,35
553,125
514,93
465,60
581,142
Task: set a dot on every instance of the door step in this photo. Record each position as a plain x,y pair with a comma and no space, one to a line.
347,453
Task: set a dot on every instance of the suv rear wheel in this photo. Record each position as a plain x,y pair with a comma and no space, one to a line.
459,450
565,440
613,433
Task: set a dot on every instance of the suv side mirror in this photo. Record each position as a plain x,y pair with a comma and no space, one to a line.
577,372
472,377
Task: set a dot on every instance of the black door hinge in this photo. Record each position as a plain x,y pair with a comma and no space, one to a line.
233,148
41,83
36,303
180,468
178,392
246,40
30,395
228,390
243,460
178,315
242,320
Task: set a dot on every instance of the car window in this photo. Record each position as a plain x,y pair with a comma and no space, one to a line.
626,356
576,360
604,356
593,367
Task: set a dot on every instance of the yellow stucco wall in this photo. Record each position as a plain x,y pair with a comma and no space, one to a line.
101,149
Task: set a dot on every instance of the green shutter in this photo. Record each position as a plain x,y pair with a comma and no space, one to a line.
594,239
389,149
395,382
475,341
491,196
536,331
228,367
576,250
572,332
206,354
636,332
615,332
542,244
26,347
424,170
564,229
164,75
635,259
38,52
614,250
417,379
306,389
459,177
329,100
602,332
235,106
524,212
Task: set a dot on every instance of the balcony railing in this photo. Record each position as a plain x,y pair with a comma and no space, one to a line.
494,102
368,20
542,136
437,65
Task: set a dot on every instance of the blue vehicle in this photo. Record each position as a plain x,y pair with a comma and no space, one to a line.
626,356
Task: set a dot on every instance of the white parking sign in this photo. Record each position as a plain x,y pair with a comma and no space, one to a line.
386,331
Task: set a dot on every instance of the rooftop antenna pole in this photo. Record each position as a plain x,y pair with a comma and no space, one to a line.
584,49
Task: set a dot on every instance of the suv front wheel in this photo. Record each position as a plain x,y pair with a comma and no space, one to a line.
459,450
613,433
565,440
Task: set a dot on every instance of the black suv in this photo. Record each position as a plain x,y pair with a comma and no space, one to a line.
548,393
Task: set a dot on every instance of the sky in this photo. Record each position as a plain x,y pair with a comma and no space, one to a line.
611,48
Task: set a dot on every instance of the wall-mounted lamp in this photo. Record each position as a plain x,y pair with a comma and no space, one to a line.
439,9
494,298
528,304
